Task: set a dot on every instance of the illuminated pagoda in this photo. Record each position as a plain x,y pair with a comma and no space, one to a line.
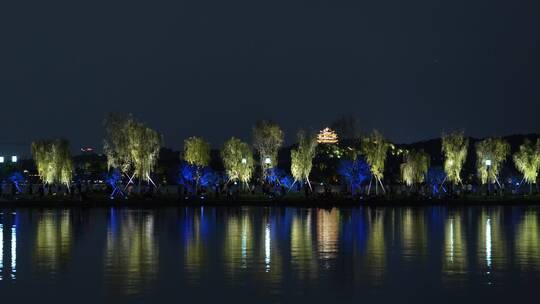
327,136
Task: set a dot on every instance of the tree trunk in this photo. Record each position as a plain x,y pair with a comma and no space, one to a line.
382,186
292,185
263,169
197,178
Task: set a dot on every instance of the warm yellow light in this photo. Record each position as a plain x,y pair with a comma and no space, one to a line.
327,136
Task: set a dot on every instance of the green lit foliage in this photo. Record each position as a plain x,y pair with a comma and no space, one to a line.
494,151
375,148
131,145
527,160
144,145
415,167
302,157
267,139
53,161
454,148
238,160
197,153
116,144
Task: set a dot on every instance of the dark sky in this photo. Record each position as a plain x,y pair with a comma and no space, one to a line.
214,67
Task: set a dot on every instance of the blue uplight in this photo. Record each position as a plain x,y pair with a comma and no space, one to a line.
354,173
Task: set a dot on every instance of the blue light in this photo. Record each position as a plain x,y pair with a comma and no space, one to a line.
435,178
114,178
16,178
188,174
209,177
354,172
286,181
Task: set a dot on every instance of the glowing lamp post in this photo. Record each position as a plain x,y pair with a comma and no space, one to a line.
488,165
268,164
244,161
1,160
14,159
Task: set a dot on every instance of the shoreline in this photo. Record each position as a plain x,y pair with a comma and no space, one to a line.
284,202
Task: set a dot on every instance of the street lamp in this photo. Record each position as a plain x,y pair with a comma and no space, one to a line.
244,161
268,161
488,165
14,159
1,159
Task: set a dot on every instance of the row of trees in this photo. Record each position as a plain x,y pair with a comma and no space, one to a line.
132,149
491,153
239,159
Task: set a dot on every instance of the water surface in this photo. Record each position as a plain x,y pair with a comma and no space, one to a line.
269,255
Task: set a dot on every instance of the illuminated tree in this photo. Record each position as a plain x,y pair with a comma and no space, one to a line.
131,147
144,145
415,167
490,155
238,160
197,154
302,158
116,144
267,139
527,161
375,148
53,161
454,148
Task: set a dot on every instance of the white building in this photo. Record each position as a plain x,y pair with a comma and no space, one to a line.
13,152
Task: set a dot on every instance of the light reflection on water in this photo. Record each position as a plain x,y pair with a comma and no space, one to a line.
53,242
131,251
455,249
527,243
275,252
8,246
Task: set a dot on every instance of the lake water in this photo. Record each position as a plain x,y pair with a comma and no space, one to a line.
270,255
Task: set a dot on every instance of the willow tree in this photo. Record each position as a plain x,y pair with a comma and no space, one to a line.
454,148
375,148
238,161
415,167
527,161
131,147
53,161
302,158
490,155
197,154
116,146
144,145
267,139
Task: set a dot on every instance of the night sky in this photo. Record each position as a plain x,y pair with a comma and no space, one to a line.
213,67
